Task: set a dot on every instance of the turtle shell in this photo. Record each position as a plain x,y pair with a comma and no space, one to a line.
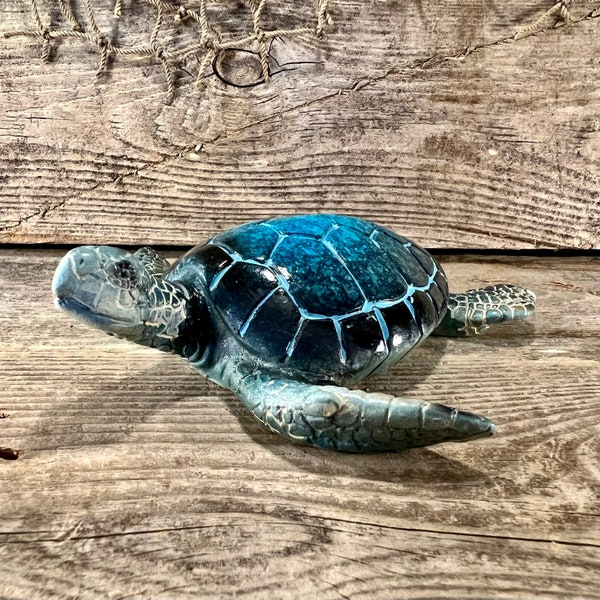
324,297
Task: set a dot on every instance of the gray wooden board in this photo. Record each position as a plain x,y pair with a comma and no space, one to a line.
138,479
423,115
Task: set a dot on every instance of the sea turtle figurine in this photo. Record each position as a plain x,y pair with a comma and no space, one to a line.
285,312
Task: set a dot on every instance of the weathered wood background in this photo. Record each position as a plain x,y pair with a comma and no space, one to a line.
424,114
137,478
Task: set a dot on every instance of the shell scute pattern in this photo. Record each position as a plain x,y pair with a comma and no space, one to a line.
424,259
255,240
258,284
412,269
438,297
441,283
357,257
423,305
363,340
326,352
333,290
281,318
318,226
322,292
201,265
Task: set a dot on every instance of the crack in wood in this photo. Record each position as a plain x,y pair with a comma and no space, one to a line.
42,212
356,86
463,534
435,60
303,521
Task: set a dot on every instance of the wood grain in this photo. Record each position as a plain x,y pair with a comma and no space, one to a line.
425,116
138,478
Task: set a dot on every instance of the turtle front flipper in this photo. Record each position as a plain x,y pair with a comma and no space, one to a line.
474,311
346,420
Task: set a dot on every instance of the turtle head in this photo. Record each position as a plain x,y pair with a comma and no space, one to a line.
121,294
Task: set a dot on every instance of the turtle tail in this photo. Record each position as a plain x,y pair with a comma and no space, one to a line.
474,311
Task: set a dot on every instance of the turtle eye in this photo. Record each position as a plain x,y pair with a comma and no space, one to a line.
123,274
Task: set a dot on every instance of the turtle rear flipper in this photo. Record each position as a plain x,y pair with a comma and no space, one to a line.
336,418
474,311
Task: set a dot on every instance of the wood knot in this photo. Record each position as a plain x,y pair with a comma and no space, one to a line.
238,68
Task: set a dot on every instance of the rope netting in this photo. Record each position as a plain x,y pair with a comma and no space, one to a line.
557,13
209,42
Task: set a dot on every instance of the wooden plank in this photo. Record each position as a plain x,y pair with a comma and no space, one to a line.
139,478
427,115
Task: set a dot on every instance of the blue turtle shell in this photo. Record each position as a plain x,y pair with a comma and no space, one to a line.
319,297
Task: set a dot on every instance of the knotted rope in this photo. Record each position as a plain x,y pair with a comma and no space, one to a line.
209,45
